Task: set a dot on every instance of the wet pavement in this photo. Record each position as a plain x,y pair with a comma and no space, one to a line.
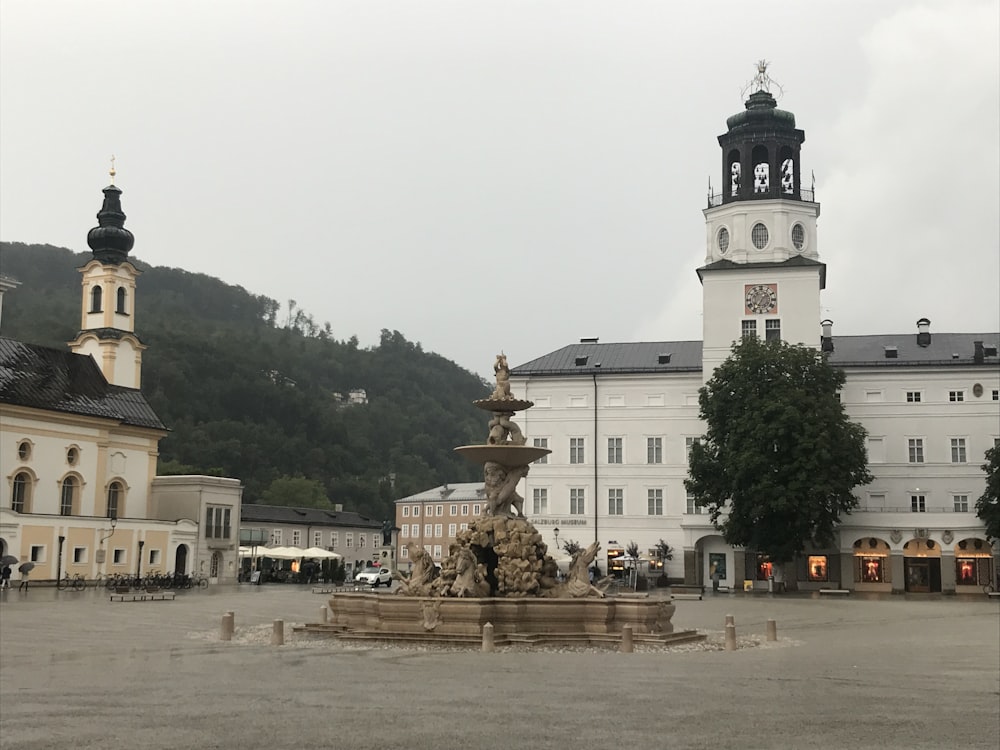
890,671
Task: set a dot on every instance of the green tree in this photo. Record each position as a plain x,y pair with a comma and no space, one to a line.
296,492
780,459
988,505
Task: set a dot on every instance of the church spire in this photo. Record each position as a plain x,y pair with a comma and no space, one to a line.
110,240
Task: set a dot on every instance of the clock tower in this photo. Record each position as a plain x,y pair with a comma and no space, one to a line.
762,275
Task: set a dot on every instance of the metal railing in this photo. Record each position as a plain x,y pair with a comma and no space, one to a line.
805,194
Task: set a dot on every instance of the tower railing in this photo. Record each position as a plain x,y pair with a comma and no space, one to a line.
809,196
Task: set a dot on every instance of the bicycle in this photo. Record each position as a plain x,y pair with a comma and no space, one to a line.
989,588
77,583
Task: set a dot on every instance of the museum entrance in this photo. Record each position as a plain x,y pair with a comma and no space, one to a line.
921,567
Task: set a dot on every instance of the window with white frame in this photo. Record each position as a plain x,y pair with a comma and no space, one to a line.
772,330
654,502
334,538
416,511
616,501
317,539
276,537
438,529
452,529
689,443
361,540
996,394
68,496
576,450
437,551
465,510
463,526
20,498
404,553
958,455
693,509
915,448
428,530
349,540
415,530
406,511
914,397
542,442
80,555
376,540
404,531
956,396
154,557
918,504
440,510
477,509
296,538
539,500
654,450
577,504
38,553
119,556
614,450
961,503
748,329
453,510
218,520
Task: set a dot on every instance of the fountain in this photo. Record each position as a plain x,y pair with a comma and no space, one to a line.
498,570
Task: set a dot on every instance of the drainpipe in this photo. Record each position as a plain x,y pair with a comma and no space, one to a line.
59,559
596,453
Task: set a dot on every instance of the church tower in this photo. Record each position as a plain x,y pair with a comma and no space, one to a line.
107,330
762,275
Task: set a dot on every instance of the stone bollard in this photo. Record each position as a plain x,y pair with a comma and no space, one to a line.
772,630
730,637
626,644
730,620
323,611
488,646
226,633
278,633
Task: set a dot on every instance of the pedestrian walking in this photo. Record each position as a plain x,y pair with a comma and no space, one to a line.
24,568
5,577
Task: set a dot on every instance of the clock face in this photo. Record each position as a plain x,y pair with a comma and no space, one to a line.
761,298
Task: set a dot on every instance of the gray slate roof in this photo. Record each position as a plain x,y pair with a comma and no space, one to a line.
254,513
796,261
685,356
448,493
40,377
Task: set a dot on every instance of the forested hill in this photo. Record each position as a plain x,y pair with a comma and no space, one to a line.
249,396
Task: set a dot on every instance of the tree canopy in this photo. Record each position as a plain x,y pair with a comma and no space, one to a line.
988,504
780,459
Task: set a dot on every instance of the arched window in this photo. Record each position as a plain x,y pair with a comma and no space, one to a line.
95,299
114,499
734,173
67,501
121,301
20,499
761,170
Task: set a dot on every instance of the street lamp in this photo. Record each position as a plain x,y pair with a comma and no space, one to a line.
101,553
555,533
138,564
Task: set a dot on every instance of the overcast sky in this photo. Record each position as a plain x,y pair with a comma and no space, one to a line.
506,175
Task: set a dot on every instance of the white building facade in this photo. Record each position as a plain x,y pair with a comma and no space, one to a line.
620,418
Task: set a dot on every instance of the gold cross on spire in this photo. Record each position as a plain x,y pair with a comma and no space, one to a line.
112,172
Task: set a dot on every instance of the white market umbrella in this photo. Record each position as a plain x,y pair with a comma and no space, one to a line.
282,553
320,554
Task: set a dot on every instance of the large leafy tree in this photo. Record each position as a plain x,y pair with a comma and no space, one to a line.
988,505
780,460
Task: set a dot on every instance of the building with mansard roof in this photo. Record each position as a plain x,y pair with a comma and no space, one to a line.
620,418
79,443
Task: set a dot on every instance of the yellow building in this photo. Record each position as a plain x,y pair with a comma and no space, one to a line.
79,446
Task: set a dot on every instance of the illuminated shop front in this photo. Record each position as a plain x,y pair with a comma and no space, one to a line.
922,566
973,565
817,567
871,564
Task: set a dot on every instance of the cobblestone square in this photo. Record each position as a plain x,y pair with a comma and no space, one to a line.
79,671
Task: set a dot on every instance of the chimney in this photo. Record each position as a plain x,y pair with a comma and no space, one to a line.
923,332
826,340
338,507
590,340
978,354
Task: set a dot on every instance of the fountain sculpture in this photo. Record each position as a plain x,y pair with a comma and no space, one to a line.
498,570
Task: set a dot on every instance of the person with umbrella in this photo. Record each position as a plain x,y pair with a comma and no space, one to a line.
25,568
5,576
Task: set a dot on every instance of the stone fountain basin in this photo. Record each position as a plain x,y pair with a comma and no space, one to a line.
505,455
389,614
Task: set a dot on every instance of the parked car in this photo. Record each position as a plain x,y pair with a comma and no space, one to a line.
374,577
